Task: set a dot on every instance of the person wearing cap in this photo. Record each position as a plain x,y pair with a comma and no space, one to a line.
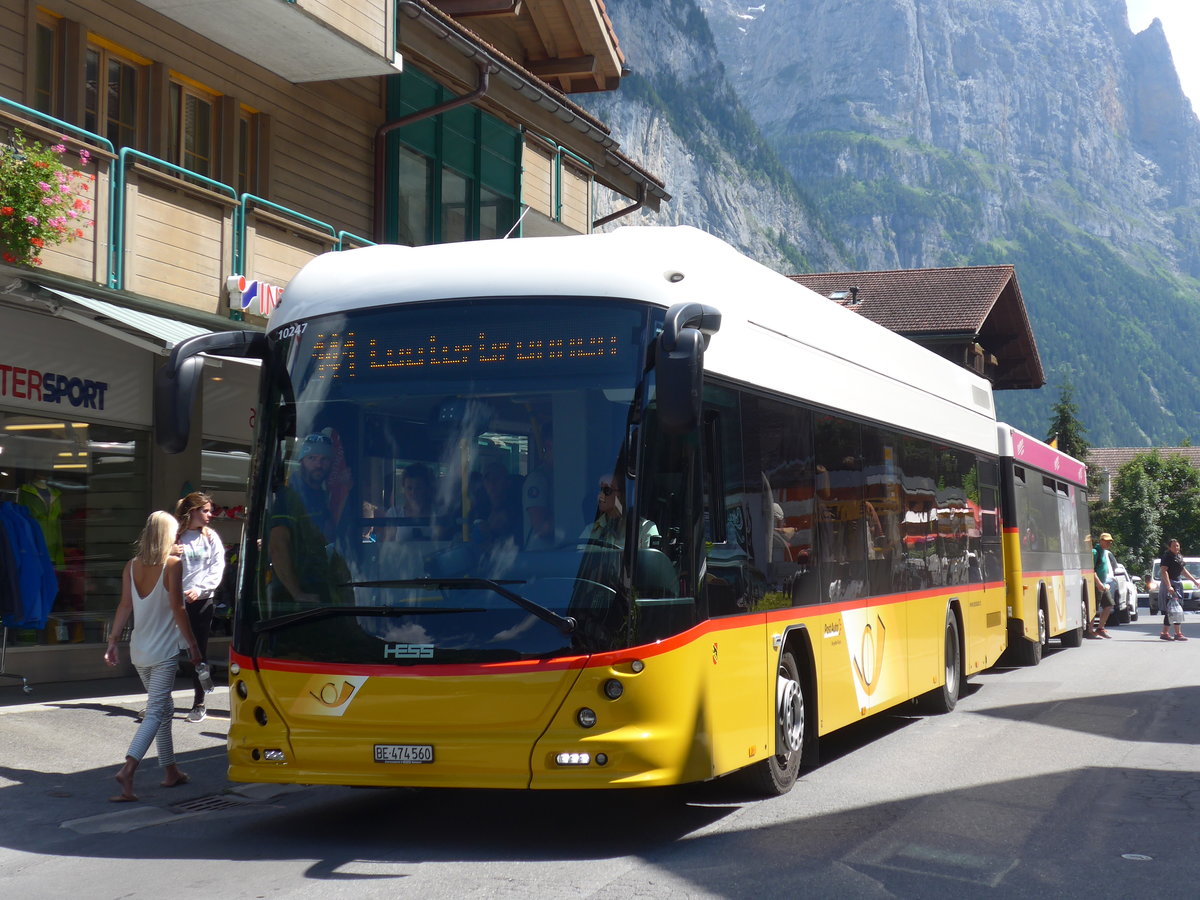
1106,585
302,525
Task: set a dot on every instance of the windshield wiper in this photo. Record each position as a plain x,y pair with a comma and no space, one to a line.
326,612
565,624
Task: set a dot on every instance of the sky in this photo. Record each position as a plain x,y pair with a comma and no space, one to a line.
1181,22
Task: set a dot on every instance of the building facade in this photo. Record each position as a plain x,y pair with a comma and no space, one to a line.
226,143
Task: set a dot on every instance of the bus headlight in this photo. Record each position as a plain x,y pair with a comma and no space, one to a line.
613,689
586,717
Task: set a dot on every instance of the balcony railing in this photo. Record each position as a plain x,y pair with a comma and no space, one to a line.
166,232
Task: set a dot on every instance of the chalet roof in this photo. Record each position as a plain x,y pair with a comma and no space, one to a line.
1112,458
964,305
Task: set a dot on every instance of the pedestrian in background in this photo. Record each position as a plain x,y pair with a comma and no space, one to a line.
151,590
1171,585
1102,569
203,556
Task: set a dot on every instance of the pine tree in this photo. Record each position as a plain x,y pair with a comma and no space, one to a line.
1066,431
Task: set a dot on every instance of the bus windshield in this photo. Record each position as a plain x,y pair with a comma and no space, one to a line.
454,482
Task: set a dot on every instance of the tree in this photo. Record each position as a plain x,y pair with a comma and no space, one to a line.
1155,499
1066,431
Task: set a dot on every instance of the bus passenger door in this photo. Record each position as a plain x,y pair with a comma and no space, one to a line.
739,709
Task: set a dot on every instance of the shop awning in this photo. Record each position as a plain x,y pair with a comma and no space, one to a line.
125,324
157,334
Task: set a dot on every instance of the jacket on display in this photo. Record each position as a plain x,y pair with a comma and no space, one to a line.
37,584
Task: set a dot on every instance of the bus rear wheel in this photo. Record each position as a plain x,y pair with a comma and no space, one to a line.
1029,653
943,699
1074,637
776,774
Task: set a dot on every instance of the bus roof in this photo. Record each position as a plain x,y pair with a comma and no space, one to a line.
1039,455
775,333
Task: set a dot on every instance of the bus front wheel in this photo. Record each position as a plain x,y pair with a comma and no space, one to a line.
776,774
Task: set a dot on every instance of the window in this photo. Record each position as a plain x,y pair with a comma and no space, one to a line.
113,96
250,125
47,66
450,177
191,139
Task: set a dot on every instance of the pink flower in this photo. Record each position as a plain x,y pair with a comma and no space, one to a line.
59,148
84,156
32,220
44,188
47,201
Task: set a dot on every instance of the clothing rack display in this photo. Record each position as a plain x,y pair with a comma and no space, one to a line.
28,582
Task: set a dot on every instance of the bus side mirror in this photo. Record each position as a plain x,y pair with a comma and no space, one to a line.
679,381
679,364
174,397
176,383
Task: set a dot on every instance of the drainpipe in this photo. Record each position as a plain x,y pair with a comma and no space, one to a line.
385,129
623,212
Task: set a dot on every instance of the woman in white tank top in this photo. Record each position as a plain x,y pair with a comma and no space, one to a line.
151,592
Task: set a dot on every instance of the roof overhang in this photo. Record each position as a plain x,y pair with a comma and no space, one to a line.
424,34
283,37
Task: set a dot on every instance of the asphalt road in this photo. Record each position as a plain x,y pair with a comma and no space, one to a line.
1078,778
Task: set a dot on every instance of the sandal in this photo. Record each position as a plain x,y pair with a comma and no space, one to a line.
1165,637
1180,637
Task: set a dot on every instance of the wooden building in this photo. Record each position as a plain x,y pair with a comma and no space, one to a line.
226,143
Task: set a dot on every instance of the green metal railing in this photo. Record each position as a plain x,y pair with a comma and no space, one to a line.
116,208
115,257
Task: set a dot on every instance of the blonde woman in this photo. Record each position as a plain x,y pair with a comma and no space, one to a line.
151,590
203,557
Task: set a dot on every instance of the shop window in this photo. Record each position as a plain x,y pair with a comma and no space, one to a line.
85,485
192,137
113,96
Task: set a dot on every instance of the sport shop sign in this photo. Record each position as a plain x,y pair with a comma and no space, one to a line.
64,370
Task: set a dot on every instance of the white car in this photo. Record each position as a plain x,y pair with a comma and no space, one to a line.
1126,602
1191,590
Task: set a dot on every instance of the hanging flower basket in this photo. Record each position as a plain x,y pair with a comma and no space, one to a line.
43,200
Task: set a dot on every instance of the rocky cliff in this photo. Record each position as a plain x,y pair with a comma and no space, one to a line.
875,134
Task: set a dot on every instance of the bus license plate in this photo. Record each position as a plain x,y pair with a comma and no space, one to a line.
404,753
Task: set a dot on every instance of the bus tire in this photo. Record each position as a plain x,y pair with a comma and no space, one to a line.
776,774
1074,637
943,699
1029,653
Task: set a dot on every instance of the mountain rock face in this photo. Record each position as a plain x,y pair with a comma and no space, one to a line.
878,134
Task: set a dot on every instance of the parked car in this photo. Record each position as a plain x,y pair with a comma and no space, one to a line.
1125,603
1191,590
1139,588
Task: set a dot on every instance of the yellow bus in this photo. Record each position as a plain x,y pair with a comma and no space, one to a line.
600,511
1047,548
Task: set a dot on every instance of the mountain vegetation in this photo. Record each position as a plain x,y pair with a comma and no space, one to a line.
834,135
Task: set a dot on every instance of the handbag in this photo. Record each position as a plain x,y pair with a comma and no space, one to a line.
1175,611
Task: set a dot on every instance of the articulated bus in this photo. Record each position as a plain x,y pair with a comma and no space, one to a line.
601,511
1047,548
